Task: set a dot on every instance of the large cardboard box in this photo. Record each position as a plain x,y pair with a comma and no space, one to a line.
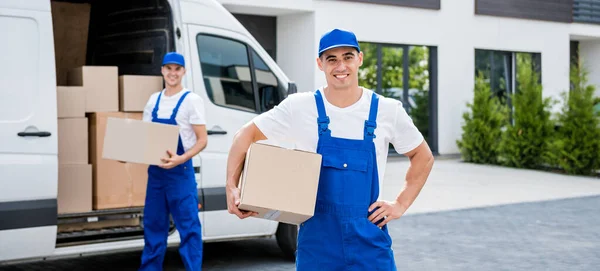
137,141
115,184
101,84
70,23
280,184
135,90
74,188
70,102
73,141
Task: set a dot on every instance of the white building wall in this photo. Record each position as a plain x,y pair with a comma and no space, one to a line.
589,51
295,40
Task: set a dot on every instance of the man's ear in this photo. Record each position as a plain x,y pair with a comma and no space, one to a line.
360,59
320,63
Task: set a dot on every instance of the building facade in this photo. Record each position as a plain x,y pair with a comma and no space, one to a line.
427,52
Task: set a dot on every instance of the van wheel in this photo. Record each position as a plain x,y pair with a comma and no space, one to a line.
287,237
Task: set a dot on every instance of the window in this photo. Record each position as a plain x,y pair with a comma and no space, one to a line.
406,73
500,69
270,90
236,77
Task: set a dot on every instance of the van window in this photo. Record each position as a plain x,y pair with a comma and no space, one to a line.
226,70
228,78
270,90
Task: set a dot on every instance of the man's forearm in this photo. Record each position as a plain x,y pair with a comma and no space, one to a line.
416,176
237,155
194,150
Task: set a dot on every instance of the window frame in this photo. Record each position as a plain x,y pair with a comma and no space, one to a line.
249,54
432,63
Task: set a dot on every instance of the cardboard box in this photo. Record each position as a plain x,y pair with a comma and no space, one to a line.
70,102
101,84
115,184
70,24
137,141
73,141
135,90
74,188
280,184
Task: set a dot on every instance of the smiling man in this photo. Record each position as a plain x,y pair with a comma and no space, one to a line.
172,185
351,128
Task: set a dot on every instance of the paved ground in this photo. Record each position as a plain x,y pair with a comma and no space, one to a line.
468,217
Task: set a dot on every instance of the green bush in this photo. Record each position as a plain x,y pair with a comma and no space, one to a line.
577,146
526,143
482,126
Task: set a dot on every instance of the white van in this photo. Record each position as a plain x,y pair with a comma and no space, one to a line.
226,66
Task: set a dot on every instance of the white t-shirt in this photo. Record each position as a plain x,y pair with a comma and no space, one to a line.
191,111
294,120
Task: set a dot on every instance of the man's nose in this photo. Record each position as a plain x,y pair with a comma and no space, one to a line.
341,67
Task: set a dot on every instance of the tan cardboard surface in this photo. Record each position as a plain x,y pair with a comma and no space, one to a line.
139,142
70,22
73,141
101,84
70,102
74,188
135,90
280,184
116,184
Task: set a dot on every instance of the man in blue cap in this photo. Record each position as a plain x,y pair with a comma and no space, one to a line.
172,185
351,128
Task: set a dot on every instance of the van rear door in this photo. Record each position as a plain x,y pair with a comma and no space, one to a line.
28,126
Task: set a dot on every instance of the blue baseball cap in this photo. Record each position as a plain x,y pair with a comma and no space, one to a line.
337,38
173,58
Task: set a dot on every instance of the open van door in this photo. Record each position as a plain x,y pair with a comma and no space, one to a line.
28,127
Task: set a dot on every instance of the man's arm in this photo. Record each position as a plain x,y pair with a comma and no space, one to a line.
242,140
201,140
421,162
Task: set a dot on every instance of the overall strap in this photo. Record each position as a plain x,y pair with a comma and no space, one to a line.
178,104
371,123
155,110
323,119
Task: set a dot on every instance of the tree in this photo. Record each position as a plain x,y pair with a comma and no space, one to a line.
526,143
482,126
577,146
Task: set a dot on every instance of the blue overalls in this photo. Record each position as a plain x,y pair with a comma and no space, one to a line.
339,236
171,191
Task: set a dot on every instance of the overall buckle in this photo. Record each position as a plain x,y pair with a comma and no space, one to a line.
370,127
323,124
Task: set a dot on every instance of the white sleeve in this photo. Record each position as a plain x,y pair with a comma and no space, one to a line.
275,124
147,115
196,112
405,136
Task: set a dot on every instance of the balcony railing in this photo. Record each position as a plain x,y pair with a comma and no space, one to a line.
586,11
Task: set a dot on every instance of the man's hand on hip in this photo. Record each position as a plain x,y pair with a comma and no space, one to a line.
388,210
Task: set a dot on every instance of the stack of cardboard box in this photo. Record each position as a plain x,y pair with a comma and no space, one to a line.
86,180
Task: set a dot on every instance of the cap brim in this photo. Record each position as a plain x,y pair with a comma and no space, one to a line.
173,62
339,45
